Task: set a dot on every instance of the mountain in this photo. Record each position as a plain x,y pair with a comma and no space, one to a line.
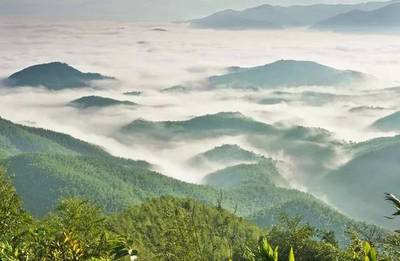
97,101
313,212
298,143
223,123
385,19
274,17
287,73
388,123
230,19
54,76
17,139
269,201
226,154
365,178
265,172
47,166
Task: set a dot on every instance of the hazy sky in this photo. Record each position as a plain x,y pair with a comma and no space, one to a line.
132,10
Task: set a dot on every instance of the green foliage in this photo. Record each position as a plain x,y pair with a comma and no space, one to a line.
12,216
75,231
291,235
291,255
183,229
265,252
370,252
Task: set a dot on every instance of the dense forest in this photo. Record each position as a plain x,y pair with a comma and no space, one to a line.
169,228
65,199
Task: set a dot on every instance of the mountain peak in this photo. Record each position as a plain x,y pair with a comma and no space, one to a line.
287,73
54,76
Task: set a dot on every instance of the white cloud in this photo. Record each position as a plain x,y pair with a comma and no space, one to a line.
149,60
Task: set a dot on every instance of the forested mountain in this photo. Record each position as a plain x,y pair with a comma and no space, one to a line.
300,143
223,123
97,102
162,229
269,201
46,166
226,154
286,73
54,76
385,19
274,17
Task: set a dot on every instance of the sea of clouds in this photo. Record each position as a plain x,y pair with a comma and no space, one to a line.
148,60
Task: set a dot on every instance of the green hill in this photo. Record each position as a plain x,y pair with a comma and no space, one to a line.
16,139
299,143
267,202
43,179
264,172
97,102
54,76
286,73
226,154
47,166
223,123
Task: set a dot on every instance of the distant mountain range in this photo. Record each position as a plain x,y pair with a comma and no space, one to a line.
385,19
97,102
53,76
275,17
287,73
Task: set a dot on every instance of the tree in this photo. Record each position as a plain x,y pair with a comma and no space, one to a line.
13,218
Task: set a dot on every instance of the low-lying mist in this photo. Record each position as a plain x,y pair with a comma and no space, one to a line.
149,60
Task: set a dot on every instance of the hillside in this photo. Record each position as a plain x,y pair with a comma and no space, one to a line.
164,227
47,166
365,178
265,172
223,123
275,17
299,143
97,102
16,139
268,202
54,76
42,179
388,123
226,154
286,73
385,19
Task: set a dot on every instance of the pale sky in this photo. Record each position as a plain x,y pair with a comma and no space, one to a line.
133,10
